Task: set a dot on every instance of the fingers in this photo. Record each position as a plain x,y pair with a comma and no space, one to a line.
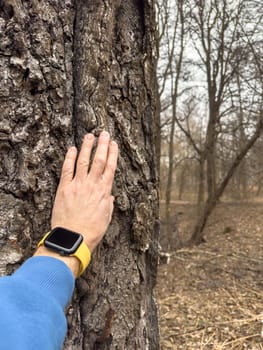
111,207
104,162
100,158
84,157
68,166
111,164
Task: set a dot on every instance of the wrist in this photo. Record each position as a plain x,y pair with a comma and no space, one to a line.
64,244
71,261
91,240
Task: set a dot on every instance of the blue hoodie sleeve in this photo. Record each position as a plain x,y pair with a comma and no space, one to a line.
32,303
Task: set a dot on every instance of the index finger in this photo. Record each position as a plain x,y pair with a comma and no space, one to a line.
68,167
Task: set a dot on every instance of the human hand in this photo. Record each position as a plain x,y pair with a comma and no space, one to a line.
83,202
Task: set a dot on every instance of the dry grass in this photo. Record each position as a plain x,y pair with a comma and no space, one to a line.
211,296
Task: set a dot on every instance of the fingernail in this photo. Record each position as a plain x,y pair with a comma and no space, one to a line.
72,149
113,143
105,134
89,136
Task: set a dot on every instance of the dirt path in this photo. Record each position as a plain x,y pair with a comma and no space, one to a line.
211,296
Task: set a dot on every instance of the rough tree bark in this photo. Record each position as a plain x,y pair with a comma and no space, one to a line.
66,68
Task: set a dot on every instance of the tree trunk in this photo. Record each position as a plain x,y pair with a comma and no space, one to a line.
242,173
168,190
198,233
201,182
210,147
182,180
67,68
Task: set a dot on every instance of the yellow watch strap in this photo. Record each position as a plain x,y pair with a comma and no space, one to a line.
82,254
41,242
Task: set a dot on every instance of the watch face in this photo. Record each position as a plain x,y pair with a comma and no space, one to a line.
62,240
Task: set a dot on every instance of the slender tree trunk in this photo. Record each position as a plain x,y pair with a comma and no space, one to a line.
210,147
201,182
169,184
198,233
181,186
66,69
174,94
242,173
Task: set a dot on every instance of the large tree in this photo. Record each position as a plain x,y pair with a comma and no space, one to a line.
67,68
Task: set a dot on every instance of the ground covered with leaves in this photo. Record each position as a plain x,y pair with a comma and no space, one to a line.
211,296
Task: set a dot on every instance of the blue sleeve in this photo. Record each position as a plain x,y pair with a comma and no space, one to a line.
32,303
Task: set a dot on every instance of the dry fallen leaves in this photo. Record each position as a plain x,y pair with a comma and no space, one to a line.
211,296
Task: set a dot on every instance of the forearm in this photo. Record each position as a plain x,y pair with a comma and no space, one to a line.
32,305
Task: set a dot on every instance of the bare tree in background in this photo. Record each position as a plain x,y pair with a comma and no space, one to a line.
223,38
223,58
67,68
172,35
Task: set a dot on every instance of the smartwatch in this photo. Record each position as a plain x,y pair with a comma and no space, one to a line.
67,243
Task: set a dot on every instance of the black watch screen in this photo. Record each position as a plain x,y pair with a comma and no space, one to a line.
64,241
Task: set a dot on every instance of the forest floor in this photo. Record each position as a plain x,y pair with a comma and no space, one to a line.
211,296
